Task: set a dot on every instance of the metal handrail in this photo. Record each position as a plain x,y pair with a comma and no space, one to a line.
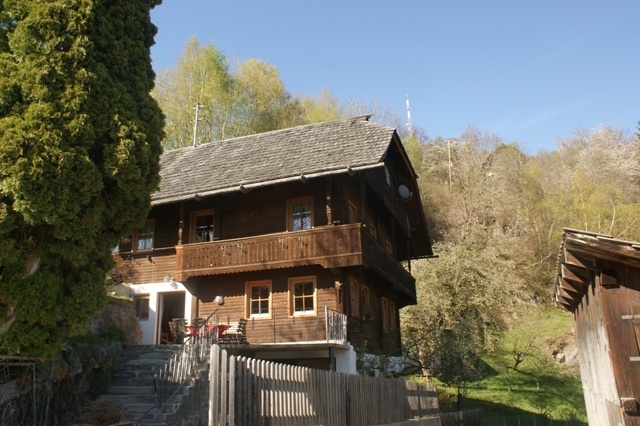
183,366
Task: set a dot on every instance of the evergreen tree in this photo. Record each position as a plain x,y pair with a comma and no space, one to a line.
80,140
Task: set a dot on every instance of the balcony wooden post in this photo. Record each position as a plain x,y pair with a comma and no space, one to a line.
363,201
181,223
179,262
328,202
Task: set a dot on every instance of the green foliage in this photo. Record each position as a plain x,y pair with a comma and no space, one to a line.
539,385
79,149
252,99
322,108
113,334
463,299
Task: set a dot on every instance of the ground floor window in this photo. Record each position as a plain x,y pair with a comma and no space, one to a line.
360,305
302,296
389,314
142,307
258,295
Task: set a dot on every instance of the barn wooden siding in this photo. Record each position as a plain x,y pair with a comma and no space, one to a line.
245,391
599,281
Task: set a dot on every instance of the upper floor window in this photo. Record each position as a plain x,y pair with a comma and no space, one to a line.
202,225
302,296
353,213
144,237
373,230
258,299
300,214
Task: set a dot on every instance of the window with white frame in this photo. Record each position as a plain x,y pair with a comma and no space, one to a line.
302,296
258,294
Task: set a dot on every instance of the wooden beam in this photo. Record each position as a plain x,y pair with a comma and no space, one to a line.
563,305
562,293
572,286
573,273
572,259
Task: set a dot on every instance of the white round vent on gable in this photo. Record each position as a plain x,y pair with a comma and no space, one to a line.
404,193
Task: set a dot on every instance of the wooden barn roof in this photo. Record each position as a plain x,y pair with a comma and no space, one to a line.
273,157
578,262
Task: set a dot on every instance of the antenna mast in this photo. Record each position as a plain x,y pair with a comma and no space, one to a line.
409,126
195,123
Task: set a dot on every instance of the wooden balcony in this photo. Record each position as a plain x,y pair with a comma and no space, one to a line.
329,247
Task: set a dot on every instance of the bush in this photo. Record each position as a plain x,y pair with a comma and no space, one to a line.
113,334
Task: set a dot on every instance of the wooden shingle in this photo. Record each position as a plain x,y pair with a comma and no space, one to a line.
273,157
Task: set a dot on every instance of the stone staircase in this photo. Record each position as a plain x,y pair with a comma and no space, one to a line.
134,385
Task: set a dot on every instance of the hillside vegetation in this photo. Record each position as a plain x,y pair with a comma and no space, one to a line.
484,322
495,213
538,385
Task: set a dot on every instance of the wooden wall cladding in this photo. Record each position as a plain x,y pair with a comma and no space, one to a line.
264,211
152,268
279,326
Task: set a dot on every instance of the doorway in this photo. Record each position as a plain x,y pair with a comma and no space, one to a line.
171,306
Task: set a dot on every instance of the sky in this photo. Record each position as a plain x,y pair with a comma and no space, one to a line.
529,71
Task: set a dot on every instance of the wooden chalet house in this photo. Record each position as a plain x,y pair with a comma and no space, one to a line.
598,281
307,233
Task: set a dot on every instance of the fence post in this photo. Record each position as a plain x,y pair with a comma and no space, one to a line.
212,385
232,391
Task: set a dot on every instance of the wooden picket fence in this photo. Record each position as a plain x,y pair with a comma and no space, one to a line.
246,391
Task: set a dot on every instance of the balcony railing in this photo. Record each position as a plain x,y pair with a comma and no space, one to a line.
329,246
336,325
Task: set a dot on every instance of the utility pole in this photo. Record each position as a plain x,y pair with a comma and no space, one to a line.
409,125
449,152
195,123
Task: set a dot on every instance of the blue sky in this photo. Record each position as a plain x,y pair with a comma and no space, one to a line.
529,71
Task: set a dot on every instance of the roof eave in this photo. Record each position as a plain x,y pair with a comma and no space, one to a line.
246,187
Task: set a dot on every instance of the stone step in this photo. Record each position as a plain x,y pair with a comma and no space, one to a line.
148,409
134,381
126,400
134,385
131,390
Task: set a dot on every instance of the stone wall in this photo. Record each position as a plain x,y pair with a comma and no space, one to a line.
119,313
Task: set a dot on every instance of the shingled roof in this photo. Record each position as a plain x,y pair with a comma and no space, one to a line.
273,157
580,254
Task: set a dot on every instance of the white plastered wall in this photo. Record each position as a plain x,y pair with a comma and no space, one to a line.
155,290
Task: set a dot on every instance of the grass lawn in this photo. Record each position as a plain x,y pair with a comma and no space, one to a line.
538,385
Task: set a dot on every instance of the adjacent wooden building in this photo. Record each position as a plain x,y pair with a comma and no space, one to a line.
307,233
599,281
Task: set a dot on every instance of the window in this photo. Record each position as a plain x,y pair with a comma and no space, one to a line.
373,230
388,246
353,213
302,296
354,295
202,224
360,300
300,214
144,237
258,299
365,307
142,307
388,314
